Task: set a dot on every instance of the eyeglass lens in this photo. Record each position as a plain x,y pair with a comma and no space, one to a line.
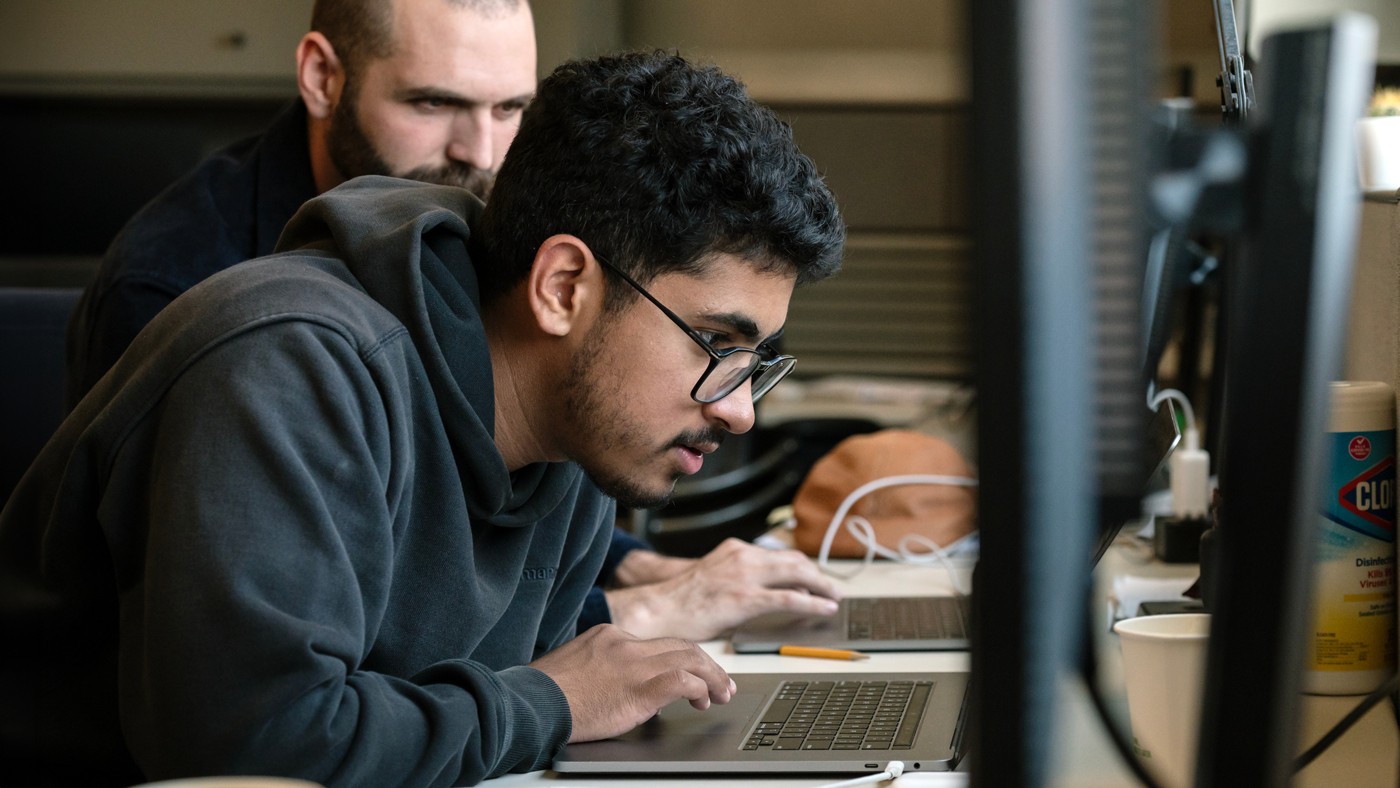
731,371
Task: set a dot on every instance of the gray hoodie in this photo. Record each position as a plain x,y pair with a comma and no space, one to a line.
277,537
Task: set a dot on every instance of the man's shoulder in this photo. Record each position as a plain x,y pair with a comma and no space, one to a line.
210,218
290,286
199,224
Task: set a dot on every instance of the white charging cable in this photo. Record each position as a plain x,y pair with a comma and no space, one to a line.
929,552
892,770
1189,464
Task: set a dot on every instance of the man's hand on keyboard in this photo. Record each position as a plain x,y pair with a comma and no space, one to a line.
615,681
702,598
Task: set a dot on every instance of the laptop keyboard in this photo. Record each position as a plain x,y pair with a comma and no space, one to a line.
904,618
842,715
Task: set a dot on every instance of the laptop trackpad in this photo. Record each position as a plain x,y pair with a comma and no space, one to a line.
767,633
682,719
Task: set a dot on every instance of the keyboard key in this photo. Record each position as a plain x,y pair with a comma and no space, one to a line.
779,710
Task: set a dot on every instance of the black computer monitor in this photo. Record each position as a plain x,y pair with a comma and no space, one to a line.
1058,91
1287,289
1057,113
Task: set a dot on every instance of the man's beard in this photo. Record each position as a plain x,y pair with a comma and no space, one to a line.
353,154
594,409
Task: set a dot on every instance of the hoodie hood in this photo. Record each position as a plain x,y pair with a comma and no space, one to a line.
406,243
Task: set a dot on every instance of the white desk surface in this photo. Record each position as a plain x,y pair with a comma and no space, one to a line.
1366,756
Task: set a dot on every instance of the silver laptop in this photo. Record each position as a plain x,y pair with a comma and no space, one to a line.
806,722
923,623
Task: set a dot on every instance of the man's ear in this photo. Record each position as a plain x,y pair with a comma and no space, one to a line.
320,75
565,286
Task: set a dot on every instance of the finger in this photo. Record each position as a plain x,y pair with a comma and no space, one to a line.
695,662
813,581
724,693
792,601
799,572
717,682
681,683
695,690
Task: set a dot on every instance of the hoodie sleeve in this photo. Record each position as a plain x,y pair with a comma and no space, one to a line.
595,607
590,537
253,594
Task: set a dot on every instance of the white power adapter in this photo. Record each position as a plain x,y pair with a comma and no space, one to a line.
1176,539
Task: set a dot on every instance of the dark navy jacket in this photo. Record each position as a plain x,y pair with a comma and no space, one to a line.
230,208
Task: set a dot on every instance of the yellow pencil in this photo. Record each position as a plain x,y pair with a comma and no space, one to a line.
820,653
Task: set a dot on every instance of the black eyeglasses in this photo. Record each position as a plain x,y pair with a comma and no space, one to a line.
728,368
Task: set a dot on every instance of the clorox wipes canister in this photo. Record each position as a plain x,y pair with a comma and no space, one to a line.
1352,648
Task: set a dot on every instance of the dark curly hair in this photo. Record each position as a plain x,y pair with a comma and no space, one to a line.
656,164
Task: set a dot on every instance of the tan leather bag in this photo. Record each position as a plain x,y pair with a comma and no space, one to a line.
942,513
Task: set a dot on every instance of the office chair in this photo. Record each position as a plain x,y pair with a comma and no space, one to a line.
33,322
741,484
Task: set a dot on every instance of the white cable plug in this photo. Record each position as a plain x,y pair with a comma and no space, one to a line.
892,770
1189,463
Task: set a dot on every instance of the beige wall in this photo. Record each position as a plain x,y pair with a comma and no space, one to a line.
62,45
796,24
1269,15
822,51
882,51
1373,334
568,29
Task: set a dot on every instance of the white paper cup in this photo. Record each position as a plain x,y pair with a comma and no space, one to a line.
1164,668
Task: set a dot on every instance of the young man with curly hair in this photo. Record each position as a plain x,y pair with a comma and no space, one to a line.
334,514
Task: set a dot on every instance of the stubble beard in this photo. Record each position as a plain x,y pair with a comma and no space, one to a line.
353,154
593,412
